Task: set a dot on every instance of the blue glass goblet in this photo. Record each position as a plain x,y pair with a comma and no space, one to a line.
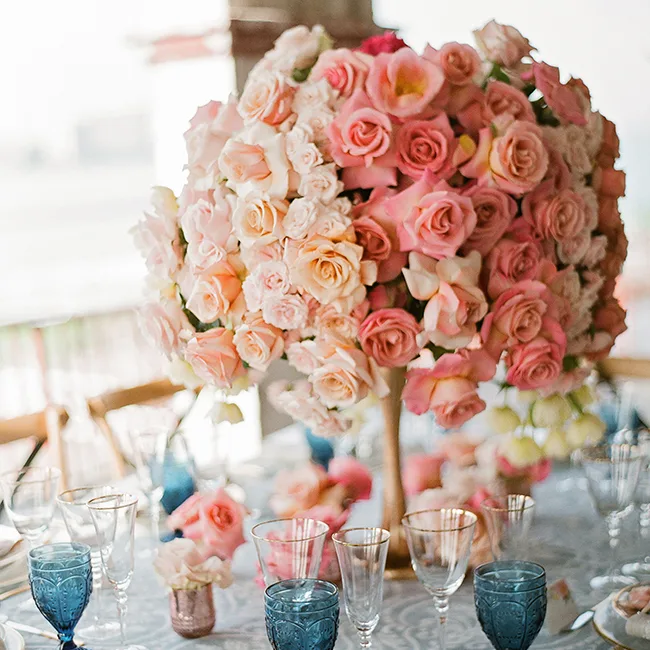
510,599
60,577
302,614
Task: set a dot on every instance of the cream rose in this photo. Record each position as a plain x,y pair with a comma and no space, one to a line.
267,98
286,312
300,217
321,183
258,343
257,219
270,278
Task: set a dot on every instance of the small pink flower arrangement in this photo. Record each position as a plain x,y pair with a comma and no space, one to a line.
364,209
214,521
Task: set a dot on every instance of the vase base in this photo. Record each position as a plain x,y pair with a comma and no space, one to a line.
399,573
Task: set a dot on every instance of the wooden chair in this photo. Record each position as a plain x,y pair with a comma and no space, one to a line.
42,427
624,368
145,394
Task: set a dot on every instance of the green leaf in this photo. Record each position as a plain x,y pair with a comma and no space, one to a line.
498,74
438,351
301,74
570,363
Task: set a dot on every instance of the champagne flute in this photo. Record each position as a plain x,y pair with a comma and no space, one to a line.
440,542
113,516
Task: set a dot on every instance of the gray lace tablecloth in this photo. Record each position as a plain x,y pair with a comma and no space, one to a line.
568,540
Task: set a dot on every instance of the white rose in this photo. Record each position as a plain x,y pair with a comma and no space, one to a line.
583,395
586,429
314,95
502,419
575,150
302,214
527,397
331,224
520,452
285,312
550,411
181,372
596,253
590,199
306,157
573,251
556,445
594,134
321,183
317,119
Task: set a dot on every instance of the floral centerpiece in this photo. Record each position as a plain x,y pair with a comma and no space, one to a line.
395,224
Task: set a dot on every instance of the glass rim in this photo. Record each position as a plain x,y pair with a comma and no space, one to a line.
62,501
332,592
54,472
83,549
95,504
529,503
505,564
385,534
472,522
289,541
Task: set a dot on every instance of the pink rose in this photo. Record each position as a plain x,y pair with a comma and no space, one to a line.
354,476
425,144
241,162
257,342
297,490
449,388
510,262
162,323
373,238
459,449
495,211
267,98
555,215
432,219
537,363
515,160
386,42
403,84
157,239
422,472
517,316
460,63
286,312
304,356
186,515
561,98
345,70
333,326
217,293
220,525
214,358
558,172
267,279
389,337
502,44
334,516
360,135
503,99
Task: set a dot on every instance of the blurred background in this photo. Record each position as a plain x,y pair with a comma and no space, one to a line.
97,97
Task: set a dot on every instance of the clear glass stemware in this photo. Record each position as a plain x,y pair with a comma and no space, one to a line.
113,516
508,521
440,542
362,557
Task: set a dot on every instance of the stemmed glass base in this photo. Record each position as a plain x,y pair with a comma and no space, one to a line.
611,583
637,569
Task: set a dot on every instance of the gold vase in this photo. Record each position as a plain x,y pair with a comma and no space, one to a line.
398,562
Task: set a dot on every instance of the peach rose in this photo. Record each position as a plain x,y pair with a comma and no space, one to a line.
425,144
516,316
360,135
297,490
515,160
503,99
217,293
267,279
332,325
459,62
347,376
502,44
389,337
257,219
257,342
162,322
267,98
561,98
402,84
345,70
495,211
422,472
214,358
241,162
432,218
510,262
352,475
537,363
304,356
286,312
328,270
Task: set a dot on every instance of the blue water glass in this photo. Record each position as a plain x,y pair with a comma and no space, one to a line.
60,578
302,614
510,599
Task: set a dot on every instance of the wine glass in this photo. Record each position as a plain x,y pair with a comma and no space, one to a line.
362,557
612,472
73,505
289,548
30,499
60,579
508,521
113,516
510,599
440,542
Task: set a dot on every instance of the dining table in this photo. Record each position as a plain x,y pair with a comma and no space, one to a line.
567,538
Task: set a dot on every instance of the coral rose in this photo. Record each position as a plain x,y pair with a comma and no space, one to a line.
510,262
561,98
389,336
354,476
503,99
257,342
214,358
459,62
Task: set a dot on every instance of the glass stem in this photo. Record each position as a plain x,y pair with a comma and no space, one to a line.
121,597
154,514
364,638
96,566
442,607
644,525
614,532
